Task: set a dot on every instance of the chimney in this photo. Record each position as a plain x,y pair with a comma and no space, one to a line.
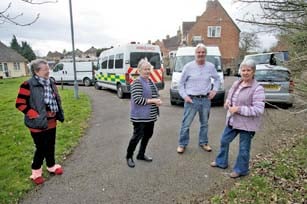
210,3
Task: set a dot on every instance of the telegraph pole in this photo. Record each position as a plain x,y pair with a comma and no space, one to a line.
73,51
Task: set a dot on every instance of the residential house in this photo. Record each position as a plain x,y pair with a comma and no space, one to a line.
54,56
12,64
214,27
78,54
90,53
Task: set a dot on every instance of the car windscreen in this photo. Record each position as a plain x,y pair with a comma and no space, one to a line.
152,57
272,75
183,60
265,58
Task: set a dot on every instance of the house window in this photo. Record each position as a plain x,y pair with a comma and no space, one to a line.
214,31
16,66
1,67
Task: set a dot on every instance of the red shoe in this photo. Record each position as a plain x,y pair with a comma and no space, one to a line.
38,180
56,169
37,177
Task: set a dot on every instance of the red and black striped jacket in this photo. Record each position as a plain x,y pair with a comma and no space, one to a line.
23,104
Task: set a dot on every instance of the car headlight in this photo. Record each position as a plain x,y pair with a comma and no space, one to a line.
175,85
221,88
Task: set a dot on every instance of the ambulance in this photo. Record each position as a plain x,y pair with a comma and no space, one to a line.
117,67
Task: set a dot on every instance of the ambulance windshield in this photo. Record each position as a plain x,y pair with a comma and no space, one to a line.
152,57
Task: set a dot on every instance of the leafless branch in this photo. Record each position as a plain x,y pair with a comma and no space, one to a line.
6,18
42,2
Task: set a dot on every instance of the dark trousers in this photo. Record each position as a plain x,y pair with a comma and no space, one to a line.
44,143
141,131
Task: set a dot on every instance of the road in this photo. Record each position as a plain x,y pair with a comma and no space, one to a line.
96,171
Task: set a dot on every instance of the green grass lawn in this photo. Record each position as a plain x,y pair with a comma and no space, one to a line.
16,145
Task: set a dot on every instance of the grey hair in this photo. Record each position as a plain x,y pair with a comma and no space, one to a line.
250,63
34,65
202,46
142,63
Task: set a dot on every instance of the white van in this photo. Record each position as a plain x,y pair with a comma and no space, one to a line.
117,67
187,54
63,72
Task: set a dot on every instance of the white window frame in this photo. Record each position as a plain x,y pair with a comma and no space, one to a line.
214,31
16,65
1,67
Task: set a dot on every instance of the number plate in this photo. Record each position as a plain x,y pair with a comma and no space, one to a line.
271,87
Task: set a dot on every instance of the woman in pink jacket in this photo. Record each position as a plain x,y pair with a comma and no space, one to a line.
245,105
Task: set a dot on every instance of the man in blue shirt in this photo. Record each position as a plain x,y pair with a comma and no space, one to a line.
196,89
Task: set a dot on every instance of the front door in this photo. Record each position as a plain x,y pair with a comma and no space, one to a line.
6,70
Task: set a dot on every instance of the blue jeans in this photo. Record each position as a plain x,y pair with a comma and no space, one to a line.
202,106
242,163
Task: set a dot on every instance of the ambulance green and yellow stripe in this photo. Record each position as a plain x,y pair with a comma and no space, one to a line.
111,77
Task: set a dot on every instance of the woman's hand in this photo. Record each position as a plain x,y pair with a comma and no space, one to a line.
156,101
233,109
226,104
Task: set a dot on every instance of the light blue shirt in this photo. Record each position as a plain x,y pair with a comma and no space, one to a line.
196,79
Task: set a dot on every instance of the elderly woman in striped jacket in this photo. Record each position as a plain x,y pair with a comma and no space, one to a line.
245,104
144,110
39,100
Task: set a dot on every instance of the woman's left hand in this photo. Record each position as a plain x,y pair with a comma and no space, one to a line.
156,101
233,109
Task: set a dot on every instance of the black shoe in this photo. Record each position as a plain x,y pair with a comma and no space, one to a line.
130,162
144,158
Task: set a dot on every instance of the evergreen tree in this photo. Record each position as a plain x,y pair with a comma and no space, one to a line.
27,51
15,45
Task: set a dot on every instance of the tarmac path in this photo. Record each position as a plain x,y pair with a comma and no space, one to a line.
96,171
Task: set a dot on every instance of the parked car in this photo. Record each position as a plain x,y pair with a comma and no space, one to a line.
277,84
275,78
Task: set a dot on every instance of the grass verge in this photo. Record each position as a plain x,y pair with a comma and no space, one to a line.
16,145
279,177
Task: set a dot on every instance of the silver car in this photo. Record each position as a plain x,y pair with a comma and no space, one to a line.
277,84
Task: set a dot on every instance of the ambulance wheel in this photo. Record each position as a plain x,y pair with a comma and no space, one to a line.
87,82
120,92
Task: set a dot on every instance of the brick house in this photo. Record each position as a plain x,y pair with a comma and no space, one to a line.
213,27
12,64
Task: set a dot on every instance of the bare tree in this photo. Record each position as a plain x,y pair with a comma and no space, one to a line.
248,42
286,15
5,16
289,19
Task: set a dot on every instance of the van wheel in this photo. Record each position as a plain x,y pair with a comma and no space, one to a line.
120,92
87,82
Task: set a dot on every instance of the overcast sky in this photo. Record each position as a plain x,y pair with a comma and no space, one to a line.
102,23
